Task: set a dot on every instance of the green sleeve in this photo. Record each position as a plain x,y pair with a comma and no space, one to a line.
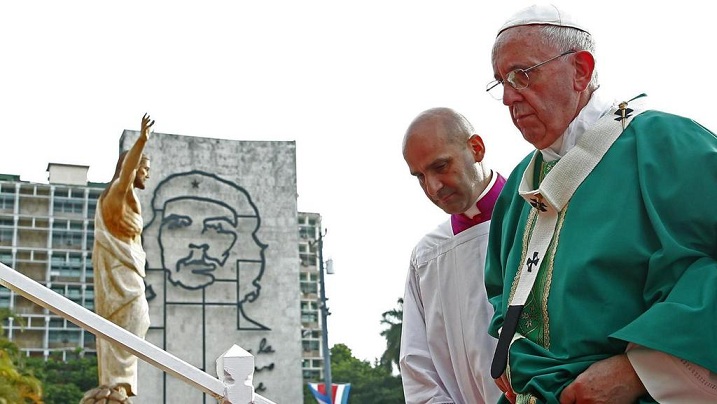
677,168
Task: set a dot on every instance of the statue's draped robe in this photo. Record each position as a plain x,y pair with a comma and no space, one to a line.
120,298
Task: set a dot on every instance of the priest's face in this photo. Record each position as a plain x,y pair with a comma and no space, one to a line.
444,166
543,110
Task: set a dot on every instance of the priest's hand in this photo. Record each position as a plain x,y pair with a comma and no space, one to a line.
612,380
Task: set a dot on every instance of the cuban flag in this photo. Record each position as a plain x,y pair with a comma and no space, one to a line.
340,392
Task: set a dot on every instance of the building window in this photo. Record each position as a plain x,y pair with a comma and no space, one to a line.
64,337
74,293
308,288
60,290
310,345
311,363
4,297
308,283
309,312
5,235
308,317
89,341
56,322
89,269
7,201
66,266
90,235
6,258
307,232
6,229
91,208
310,334
66,234
311,374
307,259
89,298
68,205
311,369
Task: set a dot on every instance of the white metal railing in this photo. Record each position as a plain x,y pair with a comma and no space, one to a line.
235,367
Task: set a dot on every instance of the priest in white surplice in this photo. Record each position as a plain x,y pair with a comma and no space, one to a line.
445,348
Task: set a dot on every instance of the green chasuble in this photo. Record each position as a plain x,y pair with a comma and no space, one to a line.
633,259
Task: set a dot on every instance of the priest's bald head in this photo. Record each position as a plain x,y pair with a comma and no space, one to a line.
445,155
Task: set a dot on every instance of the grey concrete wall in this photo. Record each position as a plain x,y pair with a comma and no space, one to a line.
220,233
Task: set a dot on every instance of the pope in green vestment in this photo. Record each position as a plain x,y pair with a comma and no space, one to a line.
633,259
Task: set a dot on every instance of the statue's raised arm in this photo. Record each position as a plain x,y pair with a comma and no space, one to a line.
121,210
132,160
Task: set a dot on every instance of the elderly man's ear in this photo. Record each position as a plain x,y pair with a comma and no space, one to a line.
584,67
477,147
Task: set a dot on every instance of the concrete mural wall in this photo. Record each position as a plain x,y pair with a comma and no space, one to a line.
220,233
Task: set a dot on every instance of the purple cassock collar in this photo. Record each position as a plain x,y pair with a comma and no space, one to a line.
461,222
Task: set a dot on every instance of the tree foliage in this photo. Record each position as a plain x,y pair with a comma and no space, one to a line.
394,320
66,381
370,383
18,385
39,381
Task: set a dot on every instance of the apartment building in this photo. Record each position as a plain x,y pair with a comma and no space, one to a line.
47,233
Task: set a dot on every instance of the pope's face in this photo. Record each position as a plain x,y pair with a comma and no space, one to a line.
543,110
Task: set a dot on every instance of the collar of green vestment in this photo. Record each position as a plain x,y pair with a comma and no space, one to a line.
558,186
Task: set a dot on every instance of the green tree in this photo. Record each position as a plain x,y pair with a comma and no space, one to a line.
18,385
66,381
394,320
370,383
36,380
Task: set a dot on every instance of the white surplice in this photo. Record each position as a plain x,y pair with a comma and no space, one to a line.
446,351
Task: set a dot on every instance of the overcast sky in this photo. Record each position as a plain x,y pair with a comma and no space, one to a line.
341,78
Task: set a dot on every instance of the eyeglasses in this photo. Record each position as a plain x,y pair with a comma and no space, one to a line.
518,78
